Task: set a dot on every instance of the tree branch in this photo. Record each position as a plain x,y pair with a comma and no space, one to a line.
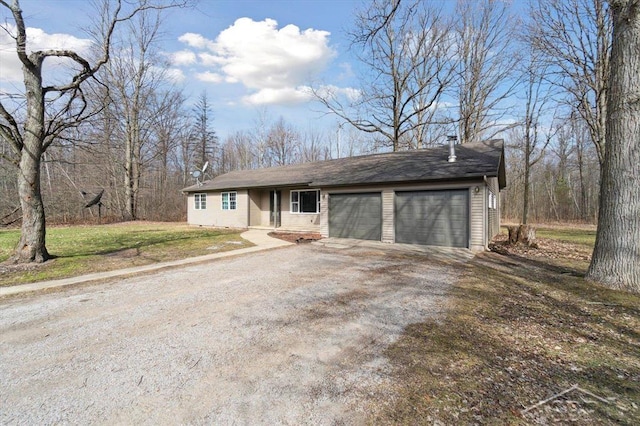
11,132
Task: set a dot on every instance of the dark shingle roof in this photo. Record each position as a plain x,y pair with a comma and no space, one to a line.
473,161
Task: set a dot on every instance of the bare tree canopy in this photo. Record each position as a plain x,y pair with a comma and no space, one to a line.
530,136
574,38
407,52
51,109
486,49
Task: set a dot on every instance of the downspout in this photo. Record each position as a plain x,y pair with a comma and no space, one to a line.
485,213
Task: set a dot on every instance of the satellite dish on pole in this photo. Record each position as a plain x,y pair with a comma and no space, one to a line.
95,200
200,173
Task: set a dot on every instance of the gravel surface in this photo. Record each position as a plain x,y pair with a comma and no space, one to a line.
288,336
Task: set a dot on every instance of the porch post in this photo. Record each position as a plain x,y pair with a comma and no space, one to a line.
275,208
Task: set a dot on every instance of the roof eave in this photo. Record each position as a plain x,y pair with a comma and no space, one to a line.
203,188
403,182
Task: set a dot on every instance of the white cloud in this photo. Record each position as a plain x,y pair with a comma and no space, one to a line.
37,40
208,59
195,40
347,71
335,92
183,57
273,63
175,75
210,77
281,96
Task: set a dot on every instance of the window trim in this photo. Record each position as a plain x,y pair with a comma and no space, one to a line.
297,203
200,201
230,204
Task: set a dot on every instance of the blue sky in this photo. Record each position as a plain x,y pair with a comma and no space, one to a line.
251,57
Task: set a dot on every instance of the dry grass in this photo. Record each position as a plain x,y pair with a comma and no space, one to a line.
520,330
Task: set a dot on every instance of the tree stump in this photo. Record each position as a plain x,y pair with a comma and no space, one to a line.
513,234
523,234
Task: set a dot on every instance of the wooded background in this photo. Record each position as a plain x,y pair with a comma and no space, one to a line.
537,80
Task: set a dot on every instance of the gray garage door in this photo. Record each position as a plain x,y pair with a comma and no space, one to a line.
355,216
436,218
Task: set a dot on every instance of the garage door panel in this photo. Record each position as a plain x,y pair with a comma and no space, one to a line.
432,217
355,216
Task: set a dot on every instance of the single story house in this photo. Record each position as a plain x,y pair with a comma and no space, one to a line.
443,196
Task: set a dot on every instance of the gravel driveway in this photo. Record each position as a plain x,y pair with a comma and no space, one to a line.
289,336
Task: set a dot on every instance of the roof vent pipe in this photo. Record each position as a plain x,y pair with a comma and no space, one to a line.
452,149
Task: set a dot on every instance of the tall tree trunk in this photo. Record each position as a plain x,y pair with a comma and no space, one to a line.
31,247
525,193
129,213
617,250
584,206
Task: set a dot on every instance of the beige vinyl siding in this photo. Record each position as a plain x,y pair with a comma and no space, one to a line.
213,215
477,217
199,217
255,208
298,221
388,231
494,214
265,213
324,213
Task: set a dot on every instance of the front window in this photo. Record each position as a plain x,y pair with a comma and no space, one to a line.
229,200
305,201
200,201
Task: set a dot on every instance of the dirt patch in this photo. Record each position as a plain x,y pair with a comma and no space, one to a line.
8,267
547,248
123,254
297,237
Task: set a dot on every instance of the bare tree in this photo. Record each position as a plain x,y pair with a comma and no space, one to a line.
406,49
582,143
574,38
534,138
134,77
168,125
259,137
283,142
312,147
485,39
205,139
236,153
617,249
50,110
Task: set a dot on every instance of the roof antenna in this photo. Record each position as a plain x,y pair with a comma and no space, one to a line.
452,150
200,173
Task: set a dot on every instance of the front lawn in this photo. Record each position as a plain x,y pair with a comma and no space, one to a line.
97,248
576,235
521,329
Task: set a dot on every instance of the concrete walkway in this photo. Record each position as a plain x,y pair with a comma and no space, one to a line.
259,237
